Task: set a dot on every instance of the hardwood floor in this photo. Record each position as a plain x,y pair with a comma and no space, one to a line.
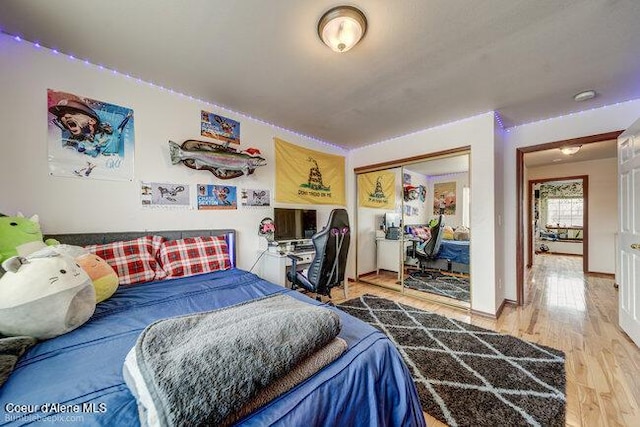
571,312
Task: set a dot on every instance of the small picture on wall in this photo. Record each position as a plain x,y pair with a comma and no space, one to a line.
444,198
219,127
406,178
164,194
89,139
217,197
255,197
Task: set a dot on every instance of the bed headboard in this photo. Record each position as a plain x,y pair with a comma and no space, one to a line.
83,239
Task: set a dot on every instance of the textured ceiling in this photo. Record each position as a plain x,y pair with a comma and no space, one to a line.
421,63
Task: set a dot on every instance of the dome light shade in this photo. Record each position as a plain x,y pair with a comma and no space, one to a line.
342,27
570,150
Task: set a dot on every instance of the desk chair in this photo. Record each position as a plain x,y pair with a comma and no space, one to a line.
327,267
427,255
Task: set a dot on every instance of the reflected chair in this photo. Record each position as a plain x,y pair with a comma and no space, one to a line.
327,267
427,255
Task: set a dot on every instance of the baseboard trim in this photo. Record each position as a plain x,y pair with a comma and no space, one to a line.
483,314
558,253
603,275
367,274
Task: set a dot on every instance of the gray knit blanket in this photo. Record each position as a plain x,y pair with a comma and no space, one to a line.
11,349
201,368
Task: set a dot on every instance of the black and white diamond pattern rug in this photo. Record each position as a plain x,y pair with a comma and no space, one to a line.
439,284
470,376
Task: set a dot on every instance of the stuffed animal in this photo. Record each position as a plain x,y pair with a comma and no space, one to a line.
103,276
44,295
20,236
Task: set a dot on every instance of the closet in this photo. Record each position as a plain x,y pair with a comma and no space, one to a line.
413,230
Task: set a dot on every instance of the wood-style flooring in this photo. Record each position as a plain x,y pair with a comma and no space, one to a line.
574,313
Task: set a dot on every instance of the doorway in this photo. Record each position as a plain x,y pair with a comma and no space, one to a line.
521,200
559,218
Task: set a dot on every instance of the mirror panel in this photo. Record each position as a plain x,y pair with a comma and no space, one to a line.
379,216
436,196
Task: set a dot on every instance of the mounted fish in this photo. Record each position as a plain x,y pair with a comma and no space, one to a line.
221,160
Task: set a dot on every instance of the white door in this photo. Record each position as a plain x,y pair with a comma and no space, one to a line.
629,230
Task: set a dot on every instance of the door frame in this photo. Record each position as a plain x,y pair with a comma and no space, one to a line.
585,216
520,225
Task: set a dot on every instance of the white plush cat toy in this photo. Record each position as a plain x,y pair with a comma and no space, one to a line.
44,295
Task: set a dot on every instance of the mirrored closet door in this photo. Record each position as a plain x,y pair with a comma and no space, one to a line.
436,206
413,228
379,219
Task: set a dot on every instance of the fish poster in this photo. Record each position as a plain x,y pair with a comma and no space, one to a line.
154,194
377,190
444,198
308,176
219,127
250,197
217,197
89,139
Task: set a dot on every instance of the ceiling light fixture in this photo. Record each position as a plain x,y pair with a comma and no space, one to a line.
584,95
570,150
342,27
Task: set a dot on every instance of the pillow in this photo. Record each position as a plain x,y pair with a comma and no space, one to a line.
194,255
447,232
461,233
134,260
102,275
422,233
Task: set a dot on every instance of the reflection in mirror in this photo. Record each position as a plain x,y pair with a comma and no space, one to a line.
435,210
380,228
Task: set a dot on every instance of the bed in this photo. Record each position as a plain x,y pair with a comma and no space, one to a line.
452,256
457,253
368,385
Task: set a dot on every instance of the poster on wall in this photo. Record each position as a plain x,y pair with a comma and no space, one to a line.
219,127
308,176
377,190
251,197
444,198
157,194
216,197
89,139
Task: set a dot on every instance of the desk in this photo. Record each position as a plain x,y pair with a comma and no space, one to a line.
274,266
388,254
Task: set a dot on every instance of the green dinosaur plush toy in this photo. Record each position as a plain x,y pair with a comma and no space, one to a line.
20,236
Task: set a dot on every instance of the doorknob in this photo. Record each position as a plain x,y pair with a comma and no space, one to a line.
635,246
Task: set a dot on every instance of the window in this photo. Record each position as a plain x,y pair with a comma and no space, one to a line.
565,212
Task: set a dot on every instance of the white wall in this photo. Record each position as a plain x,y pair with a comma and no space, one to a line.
591,122
478,133
499,209
77,205
603,207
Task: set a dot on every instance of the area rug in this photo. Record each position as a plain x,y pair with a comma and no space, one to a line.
439,284
470,376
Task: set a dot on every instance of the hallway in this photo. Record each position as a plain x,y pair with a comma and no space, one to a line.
573,313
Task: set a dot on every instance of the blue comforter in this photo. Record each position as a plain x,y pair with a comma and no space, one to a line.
455,251
77,378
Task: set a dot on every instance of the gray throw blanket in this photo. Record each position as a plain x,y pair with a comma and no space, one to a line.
11,349
201,368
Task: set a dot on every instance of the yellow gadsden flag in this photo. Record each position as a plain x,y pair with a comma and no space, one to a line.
308,176
377,190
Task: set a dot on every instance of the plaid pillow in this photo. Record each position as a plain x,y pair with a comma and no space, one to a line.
133,260
194,255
